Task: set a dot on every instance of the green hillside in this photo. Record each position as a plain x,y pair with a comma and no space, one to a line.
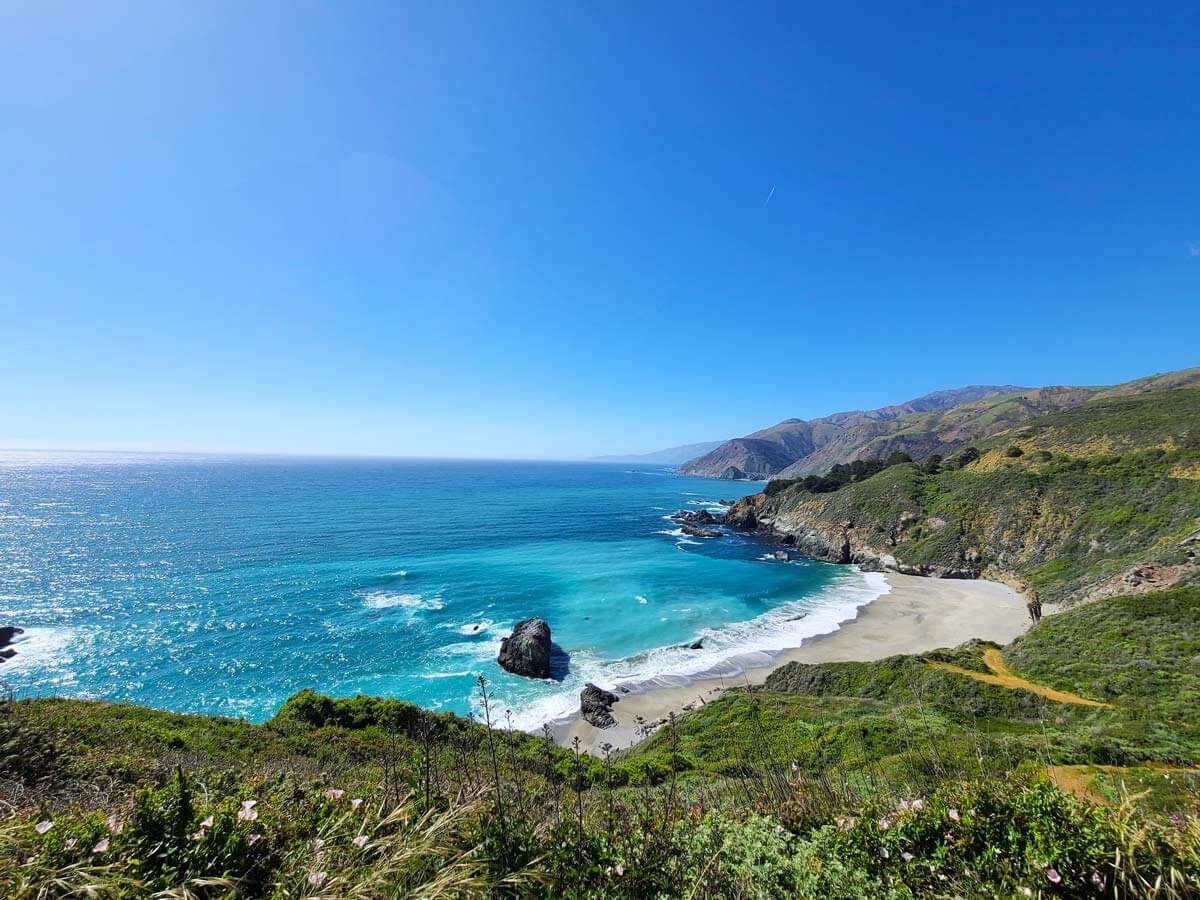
1091,501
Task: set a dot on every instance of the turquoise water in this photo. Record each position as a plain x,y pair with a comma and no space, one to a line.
223,585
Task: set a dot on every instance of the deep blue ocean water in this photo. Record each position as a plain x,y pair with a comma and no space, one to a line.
224,585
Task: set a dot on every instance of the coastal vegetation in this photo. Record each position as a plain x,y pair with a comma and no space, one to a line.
896,778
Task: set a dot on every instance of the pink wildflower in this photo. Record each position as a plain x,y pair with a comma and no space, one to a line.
356,803
316,879
114,825
70,843
207,823
918,805
334,794
43,827
101,846
1053,875
360,841
954,815
253,839
248,813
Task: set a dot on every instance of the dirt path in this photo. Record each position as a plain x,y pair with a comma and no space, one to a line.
1003,676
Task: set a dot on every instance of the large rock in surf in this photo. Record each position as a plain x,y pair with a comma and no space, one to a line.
596,706
7,633
527,650
699,532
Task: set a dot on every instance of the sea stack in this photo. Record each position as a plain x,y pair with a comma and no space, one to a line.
7,633
527,650
596,706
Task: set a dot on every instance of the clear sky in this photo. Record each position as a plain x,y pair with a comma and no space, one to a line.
561,229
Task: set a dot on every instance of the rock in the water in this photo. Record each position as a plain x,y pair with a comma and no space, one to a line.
699,532
696,645
527,650
7,633
596,706
781,555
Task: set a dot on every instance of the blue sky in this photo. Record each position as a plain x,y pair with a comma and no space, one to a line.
543,229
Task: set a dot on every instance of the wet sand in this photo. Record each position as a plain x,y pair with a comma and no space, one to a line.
916,615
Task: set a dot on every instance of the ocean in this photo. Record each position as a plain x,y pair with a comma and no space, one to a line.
223,585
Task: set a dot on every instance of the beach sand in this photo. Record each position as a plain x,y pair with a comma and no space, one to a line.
916,615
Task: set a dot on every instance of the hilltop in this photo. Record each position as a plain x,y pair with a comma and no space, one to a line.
936,424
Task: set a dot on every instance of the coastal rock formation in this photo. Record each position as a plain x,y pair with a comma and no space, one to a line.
595,704
527,650
696,517
7,633
693,531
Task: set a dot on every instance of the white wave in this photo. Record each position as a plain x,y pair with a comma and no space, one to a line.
390,599
640,599
399,573
727,651
682,542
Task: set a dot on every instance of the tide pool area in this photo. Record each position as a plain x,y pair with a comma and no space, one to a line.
224,584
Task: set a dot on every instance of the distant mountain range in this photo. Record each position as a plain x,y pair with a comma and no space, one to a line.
937,423
672,456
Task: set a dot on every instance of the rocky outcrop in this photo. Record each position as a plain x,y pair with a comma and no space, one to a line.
696,517
7,633
699,532
595,704
527,650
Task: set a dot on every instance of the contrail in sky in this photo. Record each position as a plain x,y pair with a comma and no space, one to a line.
770,195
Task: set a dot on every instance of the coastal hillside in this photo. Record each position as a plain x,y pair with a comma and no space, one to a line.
1090,501
772,450
937,424
1074,775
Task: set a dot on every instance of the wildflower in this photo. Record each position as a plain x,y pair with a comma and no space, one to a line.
1052,874
101,846
886,822
1026,892
1177,820
317,844
779,829
316,879
620,869
883,851
356,803
207,823
907,857
844,823
253,839
334,794
248,813
360,841
918,805
43,827
70,843
954,815
903,806
1097,881
114,825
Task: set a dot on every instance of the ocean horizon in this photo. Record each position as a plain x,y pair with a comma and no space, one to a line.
223,584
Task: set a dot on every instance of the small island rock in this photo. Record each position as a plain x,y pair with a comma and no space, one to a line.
527,650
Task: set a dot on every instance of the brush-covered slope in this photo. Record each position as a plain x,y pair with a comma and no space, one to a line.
771,450
1091,501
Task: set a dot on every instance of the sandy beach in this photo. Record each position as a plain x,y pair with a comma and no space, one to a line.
915,615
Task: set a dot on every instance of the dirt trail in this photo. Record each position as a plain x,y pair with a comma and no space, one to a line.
1003,676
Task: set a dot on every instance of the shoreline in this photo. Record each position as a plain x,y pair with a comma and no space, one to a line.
915,615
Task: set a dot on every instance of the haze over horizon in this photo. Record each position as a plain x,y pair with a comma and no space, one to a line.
553,231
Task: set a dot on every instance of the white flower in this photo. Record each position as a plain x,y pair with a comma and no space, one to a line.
360,841
70,843
248,813
620,869
318,844
43,826
918,805
356,803
101,846
114,825
253,839
316,879
334,794
885,823
907,857
207,823
1052,874
1027,892
883,851
954,815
